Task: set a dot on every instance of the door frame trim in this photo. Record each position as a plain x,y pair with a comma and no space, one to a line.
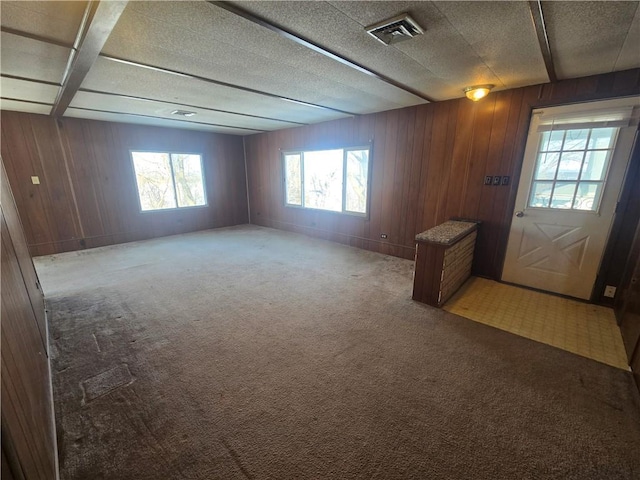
523,131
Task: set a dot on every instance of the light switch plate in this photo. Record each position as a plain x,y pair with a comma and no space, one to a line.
35,180
609,291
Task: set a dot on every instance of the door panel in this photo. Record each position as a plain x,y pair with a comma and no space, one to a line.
557,239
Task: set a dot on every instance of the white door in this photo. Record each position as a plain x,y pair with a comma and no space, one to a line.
575,160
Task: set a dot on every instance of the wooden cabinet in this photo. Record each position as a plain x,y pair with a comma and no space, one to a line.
444,255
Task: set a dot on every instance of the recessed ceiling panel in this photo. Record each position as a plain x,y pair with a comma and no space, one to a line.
587,37
158,122
502,35
200,38
23,90
115,77
32,59
15,106
143,107
52,19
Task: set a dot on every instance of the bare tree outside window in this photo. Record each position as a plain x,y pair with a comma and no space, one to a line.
335,180
323,180
168,180
357,176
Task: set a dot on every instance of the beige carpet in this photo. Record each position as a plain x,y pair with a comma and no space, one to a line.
249,353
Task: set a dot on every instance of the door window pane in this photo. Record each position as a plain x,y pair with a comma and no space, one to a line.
323,180
546,166
552,141
293,179
563,194
357,176
541,194
588,196
602,137
594,165
187,173
570,163
576,139
153,176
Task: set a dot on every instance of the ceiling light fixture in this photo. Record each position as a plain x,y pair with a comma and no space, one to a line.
477,92
183,113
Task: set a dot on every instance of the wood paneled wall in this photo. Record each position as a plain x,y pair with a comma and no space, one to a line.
28,439
87,196
428,166
627,306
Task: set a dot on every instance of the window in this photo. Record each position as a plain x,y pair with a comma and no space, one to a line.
335,180
169,180
571,167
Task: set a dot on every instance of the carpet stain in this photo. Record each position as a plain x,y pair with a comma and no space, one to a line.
106,382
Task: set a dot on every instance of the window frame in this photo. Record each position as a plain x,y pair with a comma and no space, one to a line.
345,150
578,180
173,181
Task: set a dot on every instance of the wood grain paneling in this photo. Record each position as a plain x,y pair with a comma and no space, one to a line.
87,195
28,438
428,165
627,306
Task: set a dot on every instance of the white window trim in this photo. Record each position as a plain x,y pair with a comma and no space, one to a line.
345,151
173,182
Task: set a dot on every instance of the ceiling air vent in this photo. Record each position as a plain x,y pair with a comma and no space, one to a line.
396,29
183,113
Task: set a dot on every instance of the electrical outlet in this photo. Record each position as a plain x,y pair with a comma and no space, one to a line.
497,179
609,291
505,180
488,179
383,235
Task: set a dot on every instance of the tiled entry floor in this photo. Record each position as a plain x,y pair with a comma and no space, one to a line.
581,328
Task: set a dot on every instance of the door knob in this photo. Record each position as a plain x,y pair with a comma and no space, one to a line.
519,214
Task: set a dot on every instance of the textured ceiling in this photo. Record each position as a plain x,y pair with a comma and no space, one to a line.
240,76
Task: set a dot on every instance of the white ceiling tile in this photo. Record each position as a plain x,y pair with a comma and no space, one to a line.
53,19
503,36
587,37
126,79
14,106
32,59
630,53
200,38
444,55
143,107
23,90
159,122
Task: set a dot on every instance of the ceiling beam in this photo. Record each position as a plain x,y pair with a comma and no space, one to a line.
543,39
99,20
317,48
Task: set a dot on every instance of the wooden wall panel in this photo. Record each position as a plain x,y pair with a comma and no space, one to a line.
28,437
428,165
87,196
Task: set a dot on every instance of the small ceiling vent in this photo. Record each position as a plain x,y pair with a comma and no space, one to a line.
396,29
183,113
